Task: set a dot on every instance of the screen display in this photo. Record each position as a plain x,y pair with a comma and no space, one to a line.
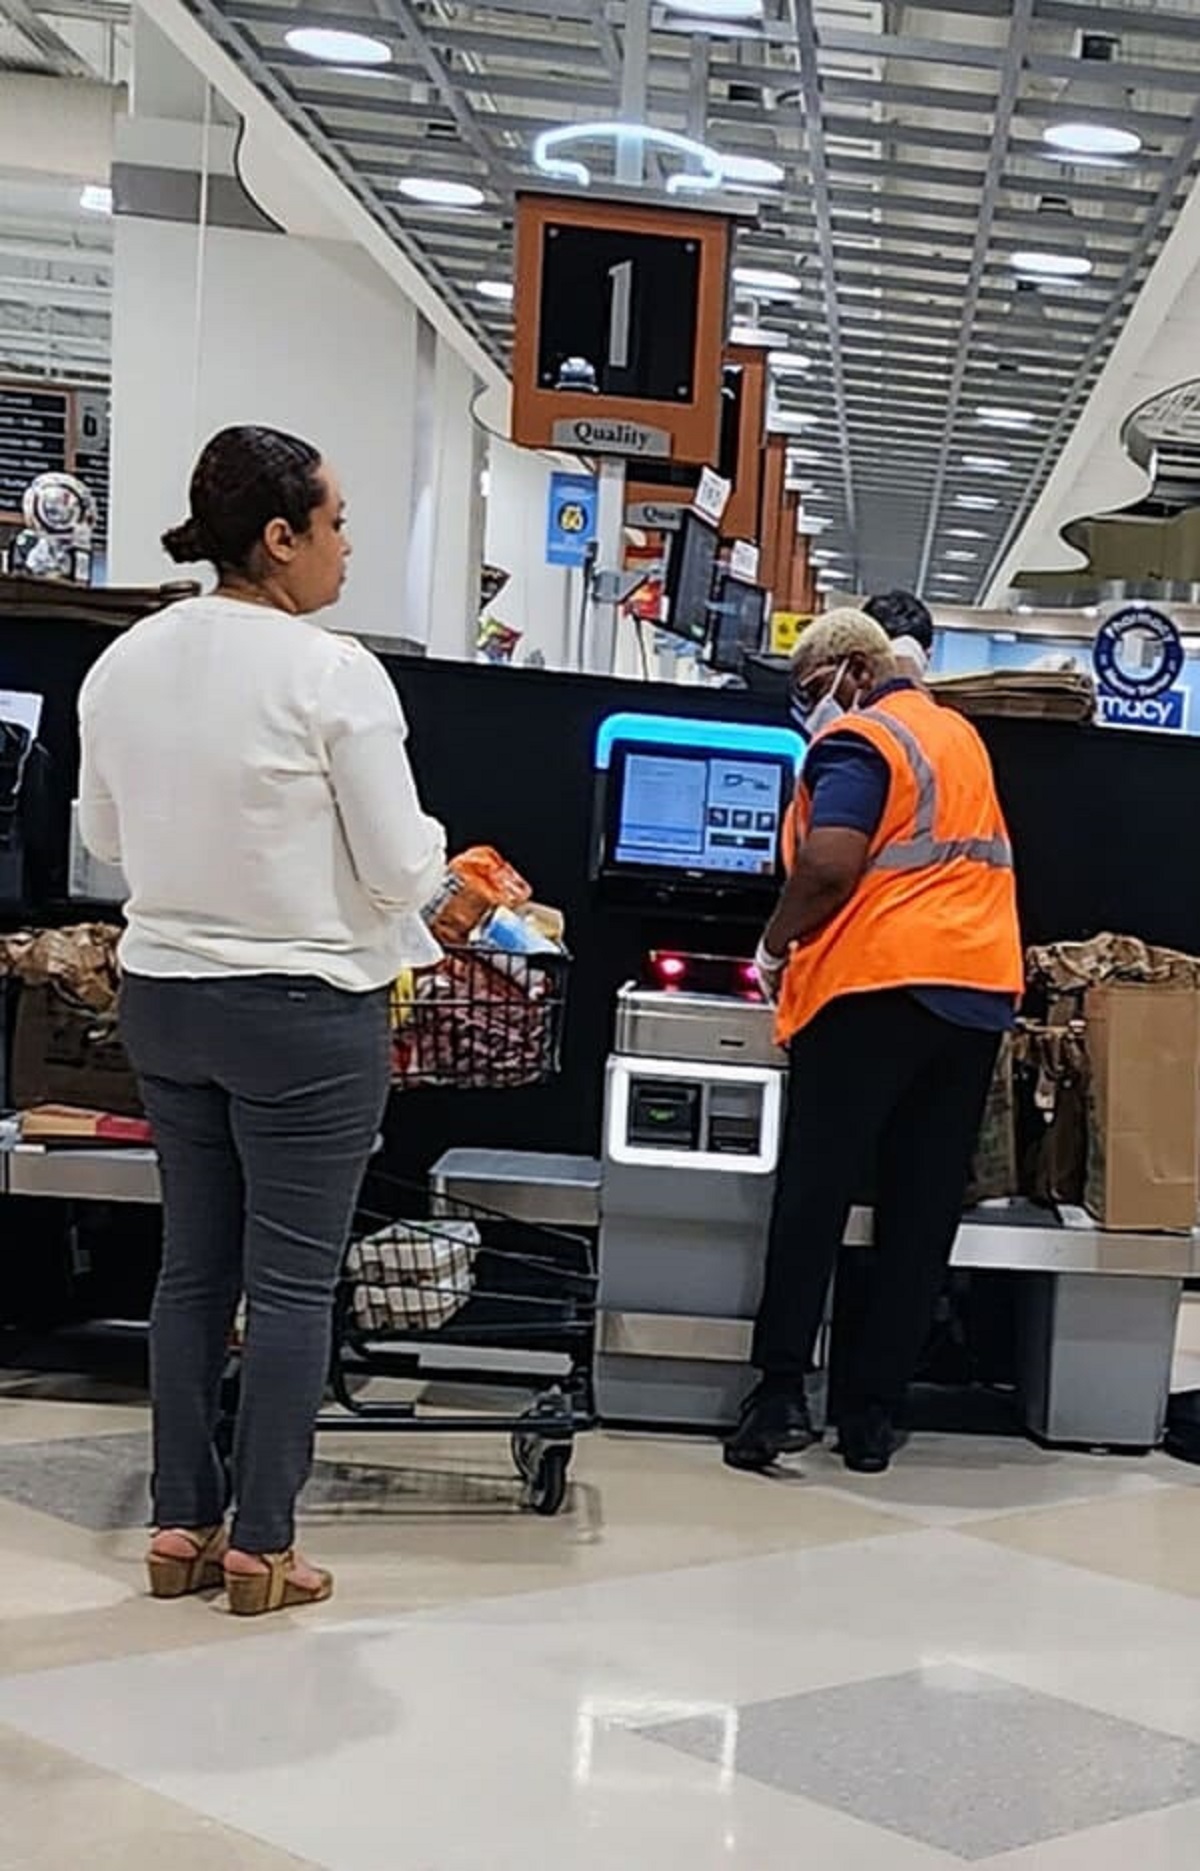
690,579
738,618
714,812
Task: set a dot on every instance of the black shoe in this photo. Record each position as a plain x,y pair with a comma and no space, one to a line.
868,1441
773,1423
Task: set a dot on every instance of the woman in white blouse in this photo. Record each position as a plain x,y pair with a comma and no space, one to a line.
247,769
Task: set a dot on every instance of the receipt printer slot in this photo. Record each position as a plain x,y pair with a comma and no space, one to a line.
664,1114
734,1119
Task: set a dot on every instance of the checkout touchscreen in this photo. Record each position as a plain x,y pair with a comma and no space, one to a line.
717,814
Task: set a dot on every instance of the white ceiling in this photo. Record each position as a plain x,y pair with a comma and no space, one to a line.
911,140
55,259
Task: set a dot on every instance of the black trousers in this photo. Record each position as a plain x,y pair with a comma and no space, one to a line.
265,1095
884,1103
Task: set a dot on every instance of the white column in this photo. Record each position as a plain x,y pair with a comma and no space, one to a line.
239,321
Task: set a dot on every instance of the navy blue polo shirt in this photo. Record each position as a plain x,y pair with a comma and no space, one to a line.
847,780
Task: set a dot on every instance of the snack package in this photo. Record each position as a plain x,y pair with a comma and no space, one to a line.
515,935
477,882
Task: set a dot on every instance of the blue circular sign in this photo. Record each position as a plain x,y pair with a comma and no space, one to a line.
1138,653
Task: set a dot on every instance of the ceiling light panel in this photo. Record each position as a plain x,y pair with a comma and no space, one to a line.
906,160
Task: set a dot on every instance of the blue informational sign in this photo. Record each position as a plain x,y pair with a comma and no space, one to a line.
1163,714
1138,654
570,518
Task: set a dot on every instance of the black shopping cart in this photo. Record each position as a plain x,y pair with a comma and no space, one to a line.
452,1295
435,1288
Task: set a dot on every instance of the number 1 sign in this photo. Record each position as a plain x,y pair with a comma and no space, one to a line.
620,319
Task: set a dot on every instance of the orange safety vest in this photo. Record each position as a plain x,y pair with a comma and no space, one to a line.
937,903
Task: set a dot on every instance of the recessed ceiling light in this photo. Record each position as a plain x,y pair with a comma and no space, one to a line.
789,363
96,198
765,279
1092,139
1036,263
735,10
758,337
986,464
952,578
965,532
1000,416
501,290
437,192
751,171
977,503
330,46
960,557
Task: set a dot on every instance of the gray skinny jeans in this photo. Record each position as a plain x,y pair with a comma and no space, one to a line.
265,1094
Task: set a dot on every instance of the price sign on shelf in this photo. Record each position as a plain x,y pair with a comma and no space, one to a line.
712,496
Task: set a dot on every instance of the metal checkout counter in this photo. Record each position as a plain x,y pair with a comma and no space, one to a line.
688,816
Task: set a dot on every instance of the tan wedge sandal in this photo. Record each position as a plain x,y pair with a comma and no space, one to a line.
251,1594
202,1571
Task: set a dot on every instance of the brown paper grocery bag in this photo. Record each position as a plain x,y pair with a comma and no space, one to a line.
1144,1109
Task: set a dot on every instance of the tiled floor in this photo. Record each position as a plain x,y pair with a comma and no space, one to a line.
991,1657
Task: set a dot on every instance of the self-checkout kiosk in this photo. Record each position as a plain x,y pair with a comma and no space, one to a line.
688,818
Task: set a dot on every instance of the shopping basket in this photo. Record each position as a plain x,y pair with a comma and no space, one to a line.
517,1301
483,1019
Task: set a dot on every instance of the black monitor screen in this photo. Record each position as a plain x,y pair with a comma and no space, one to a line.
739,615
706,813
693,556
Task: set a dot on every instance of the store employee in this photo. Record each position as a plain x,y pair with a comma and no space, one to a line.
894,957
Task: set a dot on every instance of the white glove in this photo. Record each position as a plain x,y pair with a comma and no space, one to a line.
770,970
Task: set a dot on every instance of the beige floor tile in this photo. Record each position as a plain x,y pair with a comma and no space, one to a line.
31,1418
1149,1539
59,1813
434,1523
450,1526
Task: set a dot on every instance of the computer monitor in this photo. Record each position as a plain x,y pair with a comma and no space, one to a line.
739,616
689,812
689,581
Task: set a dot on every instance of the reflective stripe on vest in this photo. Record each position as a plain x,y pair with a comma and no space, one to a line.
923,850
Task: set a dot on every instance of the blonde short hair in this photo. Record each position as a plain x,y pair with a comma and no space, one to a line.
838,635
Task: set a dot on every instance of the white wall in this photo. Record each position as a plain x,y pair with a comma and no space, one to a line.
541,600
300,334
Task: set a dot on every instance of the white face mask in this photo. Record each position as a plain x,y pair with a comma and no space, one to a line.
828,709
911,657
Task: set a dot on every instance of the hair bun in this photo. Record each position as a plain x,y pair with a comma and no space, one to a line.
185,544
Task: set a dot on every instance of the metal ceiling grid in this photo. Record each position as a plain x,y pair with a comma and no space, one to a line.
911,139
55,259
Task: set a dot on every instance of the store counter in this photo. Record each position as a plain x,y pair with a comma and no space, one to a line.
1098,1311
81,1175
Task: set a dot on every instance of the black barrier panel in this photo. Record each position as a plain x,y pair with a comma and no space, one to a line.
1102,824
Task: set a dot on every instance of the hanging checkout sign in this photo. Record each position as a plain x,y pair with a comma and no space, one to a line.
1138,658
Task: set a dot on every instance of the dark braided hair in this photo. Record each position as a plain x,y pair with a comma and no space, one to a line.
245,478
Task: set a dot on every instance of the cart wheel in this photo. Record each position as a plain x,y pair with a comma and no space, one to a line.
548,1485
526,1453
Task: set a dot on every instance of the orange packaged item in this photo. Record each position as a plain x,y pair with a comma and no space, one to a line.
477,882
